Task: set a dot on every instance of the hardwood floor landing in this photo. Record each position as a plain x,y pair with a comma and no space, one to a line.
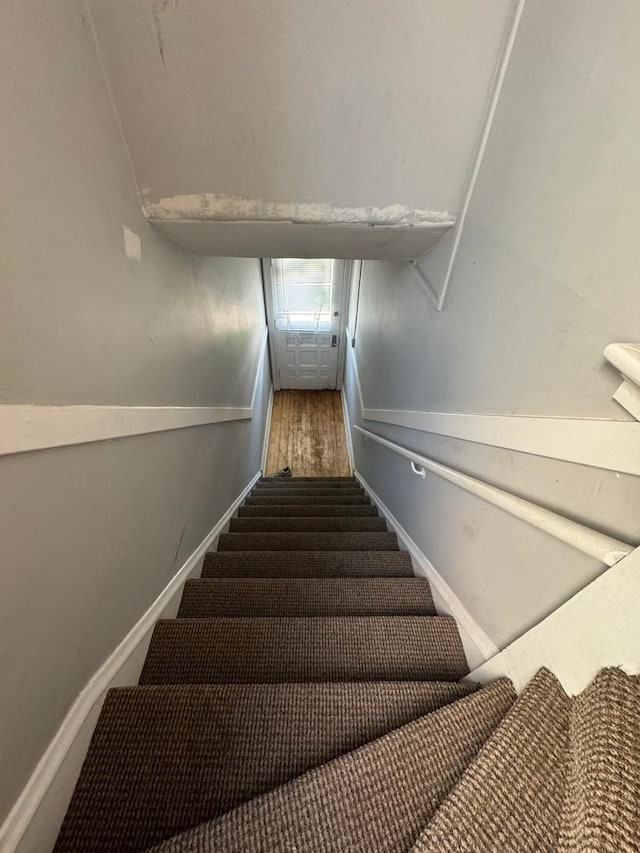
307,433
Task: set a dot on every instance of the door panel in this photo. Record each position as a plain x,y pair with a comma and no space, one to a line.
309,360
304,346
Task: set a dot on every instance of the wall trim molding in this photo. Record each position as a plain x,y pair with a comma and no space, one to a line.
425,567
26,428
575,641
267,431
44,776
509,38
347,429
613,445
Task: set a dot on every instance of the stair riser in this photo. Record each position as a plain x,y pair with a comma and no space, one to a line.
301,511
307,542
247,597
304,525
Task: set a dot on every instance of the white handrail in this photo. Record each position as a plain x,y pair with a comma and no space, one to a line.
591,542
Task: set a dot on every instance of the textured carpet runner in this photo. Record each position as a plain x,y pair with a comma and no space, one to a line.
307,698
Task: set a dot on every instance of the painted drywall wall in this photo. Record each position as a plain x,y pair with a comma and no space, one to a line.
508,575
93,314
546,276
301,112
551,222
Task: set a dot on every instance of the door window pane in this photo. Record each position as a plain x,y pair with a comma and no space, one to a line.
302,293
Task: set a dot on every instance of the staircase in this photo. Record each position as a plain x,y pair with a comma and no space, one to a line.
308,698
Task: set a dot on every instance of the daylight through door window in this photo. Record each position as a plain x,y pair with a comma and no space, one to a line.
302,293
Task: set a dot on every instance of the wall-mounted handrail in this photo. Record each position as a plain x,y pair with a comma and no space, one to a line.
604,548
626,358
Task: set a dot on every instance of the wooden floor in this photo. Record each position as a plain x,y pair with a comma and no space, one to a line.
307,433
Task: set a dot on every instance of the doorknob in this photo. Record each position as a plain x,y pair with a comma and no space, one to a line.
334,340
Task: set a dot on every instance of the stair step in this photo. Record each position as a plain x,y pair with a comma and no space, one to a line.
211,597
308,500
278,480
312,483
318,648
376,798
307,542
314,492
298,510
307,564
165,759
300,524
604,736
527,754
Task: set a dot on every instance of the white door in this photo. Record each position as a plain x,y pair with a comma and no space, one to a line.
304,306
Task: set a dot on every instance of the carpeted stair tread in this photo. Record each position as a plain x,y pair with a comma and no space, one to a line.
288,481
307,564
318,648
308,489
371,541
164,759
300,511
307,500
376,798
340,495
211,597
285,480
308,480
301,524
602,803
510,797
295,483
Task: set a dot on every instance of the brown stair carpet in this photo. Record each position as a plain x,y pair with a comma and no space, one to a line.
285,480
352,492
208,597
372,800
307,542
319,648
602,803
164,759
304,700
509,799
299,511
294,524
299,483
307,500
305,564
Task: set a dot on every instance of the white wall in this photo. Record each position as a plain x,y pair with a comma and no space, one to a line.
230,109
546,276
91,534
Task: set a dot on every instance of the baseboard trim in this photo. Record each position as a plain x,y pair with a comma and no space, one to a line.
455,607
44,776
